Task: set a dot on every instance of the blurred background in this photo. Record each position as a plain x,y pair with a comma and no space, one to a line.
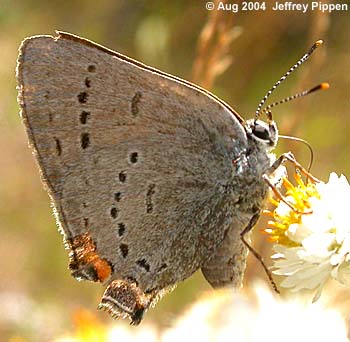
238,56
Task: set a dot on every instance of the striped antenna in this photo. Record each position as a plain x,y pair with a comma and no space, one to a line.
322,86
294,67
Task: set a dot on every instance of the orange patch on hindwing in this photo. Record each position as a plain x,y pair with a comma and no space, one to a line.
84,262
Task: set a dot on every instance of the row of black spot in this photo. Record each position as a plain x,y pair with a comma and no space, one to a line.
85,115
83,118
123,247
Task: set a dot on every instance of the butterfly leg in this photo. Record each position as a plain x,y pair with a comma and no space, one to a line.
281,160
288,156
123,298
246,230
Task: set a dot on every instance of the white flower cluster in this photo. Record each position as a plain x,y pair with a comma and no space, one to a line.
320,241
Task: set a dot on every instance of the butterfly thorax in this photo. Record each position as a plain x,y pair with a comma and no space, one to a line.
251,163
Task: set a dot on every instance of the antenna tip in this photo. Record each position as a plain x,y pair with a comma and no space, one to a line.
319,42
324,86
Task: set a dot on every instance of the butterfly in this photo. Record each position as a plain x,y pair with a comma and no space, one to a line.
151,177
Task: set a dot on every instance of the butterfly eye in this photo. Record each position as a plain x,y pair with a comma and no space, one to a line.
261,132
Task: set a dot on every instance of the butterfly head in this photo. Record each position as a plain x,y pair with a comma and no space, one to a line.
264,133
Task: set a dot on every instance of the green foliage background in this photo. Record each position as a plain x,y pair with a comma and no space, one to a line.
37,292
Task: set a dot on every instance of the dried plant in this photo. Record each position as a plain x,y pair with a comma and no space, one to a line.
212,57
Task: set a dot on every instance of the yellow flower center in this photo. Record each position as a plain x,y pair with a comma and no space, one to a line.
299,197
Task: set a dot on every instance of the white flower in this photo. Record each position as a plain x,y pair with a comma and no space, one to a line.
315,247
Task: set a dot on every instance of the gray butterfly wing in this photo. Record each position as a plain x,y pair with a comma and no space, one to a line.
136,162
227,264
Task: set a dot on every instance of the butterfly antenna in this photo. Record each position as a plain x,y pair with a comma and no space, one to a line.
322,86
294,67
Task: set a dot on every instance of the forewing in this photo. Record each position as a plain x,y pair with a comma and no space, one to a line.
135,161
